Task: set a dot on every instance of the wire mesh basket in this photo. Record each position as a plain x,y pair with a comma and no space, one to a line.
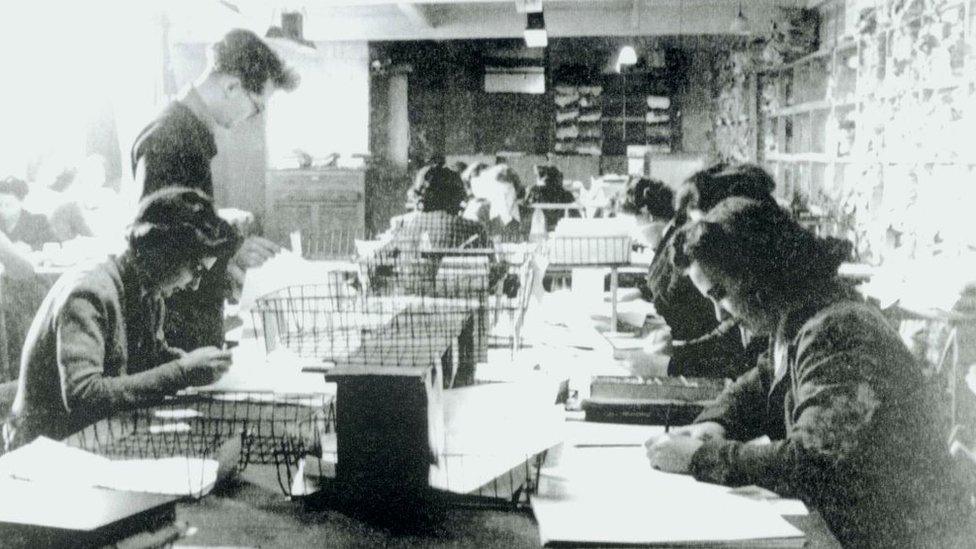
313,466
235,429
589,250
332,243
400,309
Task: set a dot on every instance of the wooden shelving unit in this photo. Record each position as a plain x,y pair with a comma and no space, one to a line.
876,115
633,115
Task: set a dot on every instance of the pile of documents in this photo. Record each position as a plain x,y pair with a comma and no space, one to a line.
48,461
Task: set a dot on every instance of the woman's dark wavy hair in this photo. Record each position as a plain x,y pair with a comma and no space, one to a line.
652,194
549,175
759,245
706,188
437,188
176,226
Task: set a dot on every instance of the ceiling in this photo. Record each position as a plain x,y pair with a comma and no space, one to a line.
377,20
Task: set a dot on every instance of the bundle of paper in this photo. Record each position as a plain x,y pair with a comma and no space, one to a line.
45,460
611,496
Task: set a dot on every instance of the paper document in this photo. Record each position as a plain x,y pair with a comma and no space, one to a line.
492,428
612,496
278,373
291,269
48,461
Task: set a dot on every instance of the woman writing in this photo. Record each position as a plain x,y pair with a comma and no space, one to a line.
855,429
96,345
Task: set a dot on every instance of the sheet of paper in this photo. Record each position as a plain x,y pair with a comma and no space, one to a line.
490,429
48,461
278,373
291,269
611,495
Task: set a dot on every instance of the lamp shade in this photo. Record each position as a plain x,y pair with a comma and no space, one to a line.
627,56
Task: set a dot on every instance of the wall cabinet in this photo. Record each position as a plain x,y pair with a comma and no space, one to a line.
326,205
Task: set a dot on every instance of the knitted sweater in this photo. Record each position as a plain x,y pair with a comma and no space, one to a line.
95,347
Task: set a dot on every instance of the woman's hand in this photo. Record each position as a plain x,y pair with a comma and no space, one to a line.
704,431
659,342
205,365
672,453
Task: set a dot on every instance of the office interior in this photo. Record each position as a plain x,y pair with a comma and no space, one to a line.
859,110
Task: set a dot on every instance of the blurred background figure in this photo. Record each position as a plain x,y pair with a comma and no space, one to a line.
651,205
495,202
28,230
549,190
87,205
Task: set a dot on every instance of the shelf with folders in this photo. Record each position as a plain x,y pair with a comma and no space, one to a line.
578,119
235,429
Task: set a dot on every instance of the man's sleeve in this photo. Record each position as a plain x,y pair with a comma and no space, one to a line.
81,355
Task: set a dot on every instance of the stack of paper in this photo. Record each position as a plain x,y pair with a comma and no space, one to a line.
612,496
493,428
45,460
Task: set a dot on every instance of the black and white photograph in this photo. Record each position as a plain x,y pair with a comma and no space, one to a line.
487,273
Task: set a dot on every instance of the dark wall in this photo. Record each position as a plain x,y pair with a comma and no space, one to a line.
450,113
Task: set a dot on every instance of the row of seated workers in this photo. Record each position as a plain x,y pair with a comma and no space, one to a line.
855,429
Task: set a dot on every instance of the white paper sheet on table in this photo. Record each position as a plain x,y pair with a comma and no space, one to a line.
253,371
490,429
611,495
290,269
46,460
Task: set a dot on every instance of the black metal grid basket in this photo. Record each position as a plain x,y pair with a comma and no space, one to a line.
412,299
236,429
311,469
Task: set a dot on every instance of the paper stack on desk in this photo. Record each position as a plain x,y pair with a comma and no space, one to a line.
612,496
45,460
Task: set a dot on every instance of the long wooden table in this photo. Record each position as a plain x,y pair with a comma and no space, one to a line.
251,512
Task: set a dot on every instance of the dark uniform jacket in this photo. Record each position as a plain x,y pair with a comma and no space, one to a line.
856,431
176,149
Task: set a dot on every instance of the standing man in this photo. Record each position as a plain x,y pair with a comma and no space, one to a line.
177,149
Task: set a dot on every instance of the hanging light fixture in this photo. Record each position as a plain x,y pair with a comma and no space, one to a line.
740,25
627,56
535,30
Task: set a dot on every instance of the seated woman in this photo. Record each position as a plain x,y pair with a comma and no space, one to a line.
32,230
494,202
87,208
651,203
855,429
96,345
549,190
698,343
471,172
436,198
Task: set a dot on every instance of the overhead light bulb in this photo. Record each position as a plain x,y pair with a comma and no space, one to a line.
535,31
627,56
